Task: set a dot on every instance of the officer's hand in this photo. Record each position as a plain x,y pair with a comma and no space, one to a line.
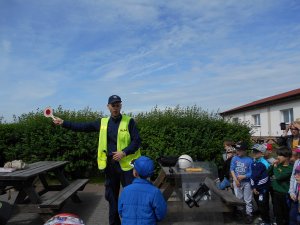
118,155
57,120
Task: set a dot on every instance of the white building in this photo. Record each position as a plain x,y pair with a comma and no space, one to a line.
265,115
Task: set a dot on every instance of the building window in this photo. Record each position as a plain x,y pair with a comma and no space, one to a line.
256,119
235,120
287,115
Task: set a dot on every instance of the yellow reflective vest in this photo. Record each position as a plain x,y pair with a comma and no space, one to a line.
123,140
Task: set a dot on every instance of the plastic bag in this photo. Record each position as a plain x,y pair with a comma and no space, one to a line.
17,164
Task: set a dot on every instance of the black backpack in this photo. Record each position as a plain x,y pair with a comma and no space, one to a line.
167,161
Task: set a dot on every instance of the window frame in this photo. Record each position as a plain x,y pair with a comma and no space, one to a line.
290,115
255,120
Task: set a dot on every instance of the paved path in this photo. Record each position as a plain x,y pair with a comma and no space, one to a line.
94,211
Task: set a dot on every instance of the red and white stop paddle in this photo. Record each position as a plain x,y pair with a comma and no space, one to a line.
48,112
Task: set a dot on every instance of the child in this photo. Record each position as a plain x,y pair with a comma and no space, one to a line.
281,172
228,145
240,169
141,202
293,183
294,157
230,152
295,205
268,153
260,181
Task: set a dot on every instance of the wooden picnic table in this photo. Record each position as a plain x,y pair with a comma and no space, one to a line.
176,183
46,199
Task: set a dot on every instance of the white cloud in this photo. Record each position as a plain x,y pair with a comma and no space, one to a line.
213,54
114,73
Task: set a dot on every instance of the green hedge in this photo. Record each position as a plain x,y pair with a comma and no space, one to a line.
189,131
32,137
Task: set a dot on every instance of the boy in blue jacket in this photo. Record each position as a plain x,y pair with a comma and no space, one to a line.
260,182
141,203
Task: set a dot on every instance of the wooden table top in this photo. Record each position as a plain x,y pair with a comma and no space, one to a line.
32,170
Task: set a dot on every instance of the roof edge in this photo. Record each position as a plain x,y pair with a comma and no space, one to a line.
293,94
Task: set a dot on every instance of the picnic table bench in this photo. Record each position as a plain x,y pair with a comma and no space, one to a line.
56,201
47,198
227,196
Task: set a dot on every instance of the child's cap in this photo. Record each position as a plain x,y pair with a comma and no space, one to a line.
259,148
144,166
269,147
242,146
297,170
297,149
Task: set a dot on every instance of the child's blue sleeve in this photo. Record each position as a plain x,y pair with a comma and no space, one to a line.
159,206
232,164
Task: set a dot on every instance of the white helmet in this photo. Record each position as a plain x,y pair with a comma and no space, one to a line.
185,161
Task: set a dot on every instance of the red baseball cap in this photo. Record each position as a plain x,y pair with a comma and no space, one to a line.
269,147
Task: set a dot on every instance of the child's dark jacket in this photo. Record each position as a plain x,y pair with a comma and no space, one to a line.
259,178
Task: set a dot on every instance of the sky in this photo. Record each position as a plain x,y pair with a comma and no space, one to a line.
213,54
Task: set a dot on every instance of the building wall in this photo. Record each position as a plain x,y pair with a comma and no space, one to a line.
270,118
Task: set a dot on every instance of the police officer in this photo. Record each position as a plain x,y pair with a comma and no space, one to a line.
119,143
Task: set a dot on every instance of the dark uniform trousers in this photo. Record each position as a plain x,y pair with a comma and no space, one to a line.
114,175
